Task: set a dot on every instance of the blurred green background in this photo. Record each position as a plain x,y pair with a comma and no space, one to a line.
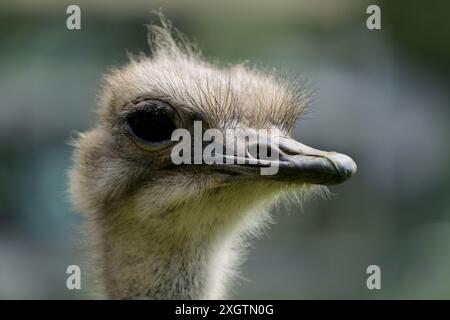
382,97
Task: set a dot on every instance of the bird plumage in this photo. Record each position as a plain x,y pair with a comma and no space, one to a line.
161,232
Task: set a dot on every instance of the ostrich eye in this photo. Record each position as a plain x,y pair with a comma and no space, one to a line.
151,124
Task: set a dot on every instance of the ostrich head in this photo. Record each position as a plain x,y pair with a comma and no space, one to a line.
167,231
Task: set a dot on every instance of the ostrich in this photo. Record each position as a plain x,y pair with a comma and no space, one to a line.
161,231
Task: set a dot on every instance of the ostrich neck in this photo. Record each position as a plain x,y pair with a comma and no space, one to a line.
163,258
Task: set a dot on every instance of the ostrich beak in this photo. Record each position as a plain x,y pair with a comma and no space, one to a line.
294,162
300,162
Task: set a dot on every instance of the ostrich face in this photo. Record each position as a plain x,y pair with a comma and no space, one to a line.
128,153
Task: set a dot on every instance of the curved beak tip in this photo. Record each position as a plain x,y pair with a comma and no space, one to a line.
344,165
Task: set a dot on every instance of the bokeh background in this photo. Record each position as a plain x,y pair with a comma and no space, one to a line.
381,96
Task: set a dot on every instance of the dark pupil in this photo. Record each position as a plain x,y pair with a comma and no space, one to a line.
151,127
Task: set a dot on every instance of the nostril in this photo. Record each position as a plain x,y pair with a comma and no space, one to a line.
288,151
